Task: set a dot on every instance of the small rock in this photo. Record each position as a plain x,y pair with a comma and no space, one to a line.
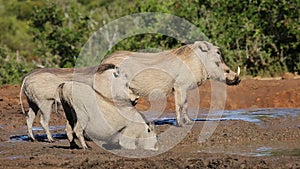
243,165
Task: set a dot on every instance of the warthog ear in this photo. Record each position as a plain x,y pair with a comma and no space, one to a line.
203,46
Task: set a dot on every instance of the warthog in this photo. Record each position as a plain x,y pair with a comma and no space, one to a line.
105,111
177,70
40,88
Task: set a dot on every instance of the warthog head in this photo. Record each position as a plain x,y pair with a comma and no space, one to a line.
211,57
113,84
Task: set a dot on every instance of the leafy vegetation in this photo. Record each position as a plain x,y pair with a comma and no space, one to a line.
261,36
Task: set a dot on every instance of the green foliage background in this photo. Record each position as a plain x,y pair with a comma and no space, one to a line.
261,36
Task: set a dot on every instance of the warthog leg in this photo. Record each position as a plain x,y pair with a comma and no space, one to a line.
29,120
79,133
128,138
181,106
186,117
178,105
69,132
45,117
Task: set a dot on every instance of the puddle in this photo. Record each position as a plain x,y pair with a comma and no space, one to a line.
262,151
244,151
256,152
289,152
51,128
40,137
253,115
15,157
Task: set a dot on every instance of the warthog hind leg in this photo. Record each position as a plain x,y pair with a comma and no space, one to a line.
69,132
45,118
29,120
79,133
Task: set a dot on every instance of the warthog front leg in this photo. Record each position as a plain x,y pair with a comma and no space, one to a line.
186,117
181,106
128,137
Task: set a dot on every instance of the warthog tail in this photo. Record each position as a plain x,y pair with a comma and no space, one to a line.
55,107
57,95
20,96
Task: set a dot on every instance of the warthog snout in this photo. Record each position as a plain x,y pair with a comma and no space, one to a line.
233,78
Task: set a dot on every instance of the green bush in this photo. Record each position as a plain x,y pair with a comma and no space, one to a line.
12,67
263,37
59,34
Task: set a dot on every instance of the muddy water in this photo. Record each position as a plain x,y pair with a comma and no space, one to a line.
256,116
40,137
253,116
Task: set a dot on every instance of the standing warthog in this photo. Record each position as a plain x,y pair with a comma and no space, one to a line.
40,88
177,70
105,111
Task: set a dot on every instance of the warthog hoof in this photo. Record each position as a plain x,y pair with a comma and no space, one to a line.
178,124
32,139
51,140
188,121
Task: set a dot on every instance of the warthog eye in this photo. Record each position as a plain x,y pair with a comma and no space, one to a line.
218,52
116,74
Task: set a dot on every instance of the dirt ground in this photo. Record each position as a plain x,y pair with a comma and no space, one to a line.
232,145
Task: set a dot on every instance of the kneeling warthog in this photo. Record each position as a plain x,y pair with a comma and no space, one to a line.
105,111
177,70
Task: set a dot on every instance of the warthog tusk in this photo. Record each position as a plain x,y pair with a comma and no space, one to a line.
238,71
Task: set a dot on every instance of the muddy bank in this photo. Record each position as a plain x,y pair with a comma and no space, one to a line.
265,140
249,94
